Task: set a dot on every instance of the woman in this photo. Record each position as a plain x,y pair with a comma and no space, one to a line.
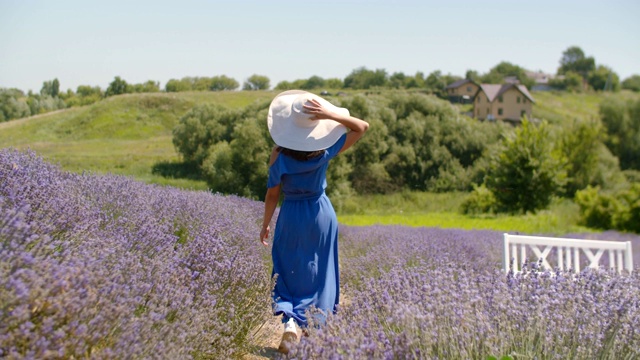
308,131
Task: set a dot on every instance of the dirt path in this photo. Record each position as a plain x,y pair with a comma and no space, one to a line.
268,337
267,340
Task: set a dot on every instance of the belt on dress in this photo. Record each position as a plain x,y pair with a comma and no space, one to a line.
303,196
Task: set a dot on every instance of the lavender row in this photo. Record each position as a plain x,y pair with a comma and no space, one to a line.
440,294
106,267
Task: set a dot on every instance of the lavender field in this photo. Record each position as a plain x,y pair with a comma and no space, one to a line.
101,266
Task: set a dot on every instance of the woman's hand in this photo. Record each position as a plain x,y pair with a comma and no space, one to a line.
264,234
317,111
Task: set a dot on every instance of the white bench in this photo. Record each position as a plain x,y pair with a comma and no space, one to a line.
568,253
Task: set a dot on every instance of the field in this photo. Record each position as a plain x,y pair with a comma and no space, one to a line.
91,262
97,249
131,134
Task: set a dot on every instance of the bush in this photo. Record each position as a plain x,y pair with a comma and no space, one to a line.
619,210
480,201
525,174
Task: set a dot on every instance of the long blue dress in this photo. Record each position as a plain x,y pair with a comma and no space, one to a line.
305,245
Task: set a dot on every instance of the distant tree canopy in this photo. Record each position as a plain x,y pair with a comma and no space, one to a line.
578,72
216,83
257,82
632,83
416,142
506,71
621,119
574,60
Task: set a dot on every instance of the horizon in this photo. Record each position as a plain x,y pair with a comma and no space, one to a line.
90,44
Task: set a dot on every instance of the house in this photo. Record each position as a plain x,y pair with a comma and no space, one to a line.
462,91
508,102
541,79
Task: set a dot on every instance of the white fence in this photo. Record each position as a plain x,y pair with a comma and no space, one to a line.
565,254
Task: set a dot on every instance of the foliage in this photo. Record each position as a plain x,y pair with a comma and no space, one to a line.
574,60
202,127
363,78
526,174
580,145
614,210
416,142
604,79
50,88
480,201
621,118
256,82
216,83
118,86
632,83
503,70
13,105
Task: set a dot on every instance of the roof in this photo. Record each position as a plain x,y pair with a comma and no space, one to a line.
459,83
494,90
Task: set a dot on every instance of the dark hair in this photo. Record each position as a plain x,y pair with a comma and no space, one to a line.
300,155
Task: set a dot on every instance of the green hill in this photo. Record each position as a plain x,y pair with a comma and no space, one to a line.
125,134
129,134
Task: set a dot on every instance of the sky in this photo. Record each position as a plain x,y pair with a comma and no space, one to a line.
87,42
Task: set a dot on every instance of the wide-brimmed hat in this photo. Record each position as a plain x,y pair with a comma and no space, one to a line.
291,128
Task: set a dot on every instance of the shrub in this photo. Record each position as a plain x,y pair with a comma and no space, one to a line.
480,201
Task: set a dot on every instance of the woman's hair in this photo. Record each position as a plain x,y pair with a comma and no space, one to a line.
300,155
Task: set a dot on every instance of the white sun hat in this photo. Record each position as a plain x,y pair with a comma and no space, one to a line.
290,126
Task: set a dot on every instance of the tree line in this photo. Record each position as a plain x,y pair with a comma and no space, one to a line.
577,72
418,142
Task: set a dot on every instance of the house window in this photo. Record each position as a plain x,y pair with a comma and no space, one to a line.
488,112
518,99
468,88
523,113
479,99
524,100
500,111
500,98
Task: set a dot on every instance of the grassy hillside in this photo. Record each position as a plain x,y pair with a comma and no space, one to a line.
124,135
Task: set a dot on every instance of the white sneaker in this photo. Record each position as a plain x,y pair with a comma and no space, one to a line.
290,326
289,337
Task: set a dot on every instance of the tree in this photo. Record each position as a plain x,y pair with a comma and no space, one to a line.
117,87
397,80
362,78
525,175
222,83
175,85
256,82
580,144
13,105
333,83
632,83
574,61
472,75
50,88
621,118
604,79
503,70
146,87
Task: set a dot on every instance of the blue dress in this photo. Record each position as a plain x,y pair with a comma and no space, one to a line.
305,245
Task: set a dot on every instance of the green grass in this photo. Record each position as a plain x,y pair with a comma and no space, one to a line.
125,135
129,134
559,107
441,210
